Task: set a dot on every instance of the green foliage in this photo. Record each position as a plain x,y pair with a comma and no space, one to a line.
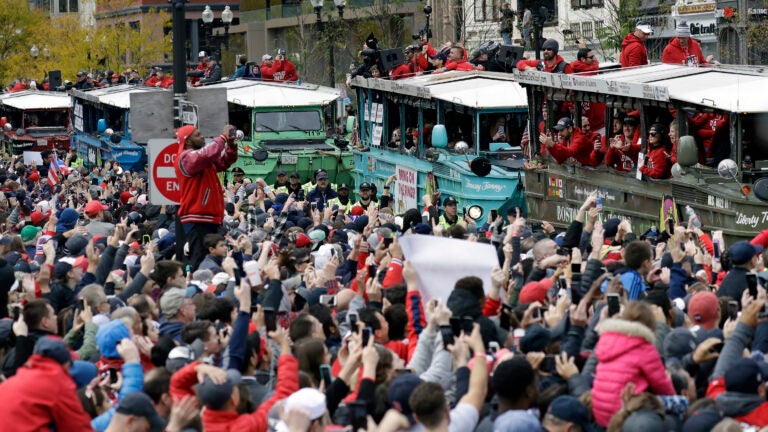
756,33
17,35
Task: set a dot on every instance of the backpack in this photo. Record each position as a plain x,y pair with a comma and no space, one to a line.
559,68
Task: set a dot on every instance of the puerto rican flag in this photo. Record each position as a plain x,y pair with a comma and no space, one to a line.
56,166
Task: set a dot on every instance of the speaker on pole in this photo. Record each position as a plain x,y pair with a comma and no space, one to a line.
54,79
391,58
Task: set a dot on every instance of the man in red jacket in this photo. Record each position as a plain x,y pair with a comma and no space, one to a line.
623,150
42,395
573,143
684,50
633,52
410,66
219,392
201,208
282,69
552,61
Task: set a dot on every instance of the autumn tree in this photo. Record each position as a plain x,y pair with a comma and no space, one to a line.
17,28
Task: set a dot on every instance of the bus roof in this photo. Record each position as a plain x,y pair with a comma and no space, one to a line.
480,90
36,100
118,96
261,94
731,89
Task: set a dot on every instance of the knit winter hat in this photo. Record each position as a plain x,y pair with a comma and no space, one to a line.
682,29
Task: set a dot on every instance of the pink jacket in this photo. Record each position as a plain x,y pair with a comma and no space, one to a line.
625,352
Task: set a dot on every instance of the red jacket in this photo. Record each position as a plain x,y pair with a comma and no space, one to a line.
633,52
690,56
704,126
757,417
266,71
282,70
657,164
200,67
405,70
40,397
624,160
182,383
580,148
201,197
154,81
547,67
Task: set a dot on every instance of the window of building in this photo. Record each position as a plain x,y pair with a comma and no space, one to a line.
576,30
586,4
487,10
586,30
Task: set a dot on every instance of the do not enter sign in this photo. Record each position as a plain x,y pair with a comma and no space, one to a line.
163,185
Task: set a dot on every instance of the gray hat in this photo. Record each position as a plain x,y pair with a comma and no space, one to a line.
215,396
551,44
678,343
202,275
76,245
172,301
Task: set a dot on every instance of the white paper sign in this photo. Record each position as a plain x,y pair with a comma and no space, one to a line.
366,112
406,189
379,113
640,163
440,262
376,138
33,157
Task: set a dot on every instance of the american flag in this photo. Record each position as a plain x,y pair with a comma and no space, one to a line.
53,178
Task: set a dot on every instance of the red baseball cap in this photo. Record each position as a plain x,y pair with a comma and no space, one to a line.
302,240
94,207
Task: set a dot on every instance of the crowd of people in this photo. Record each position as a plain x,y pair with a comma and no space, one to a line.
207,71
293,307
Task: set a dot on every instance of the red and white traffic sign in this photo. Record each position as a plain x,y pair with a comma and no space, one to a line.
163,185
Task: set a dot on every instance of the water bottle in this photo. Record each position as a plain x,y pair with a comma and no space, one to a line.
692,214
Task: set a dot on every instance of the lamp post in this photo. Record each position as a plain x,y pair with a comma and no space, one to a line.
318,6
179,34
215,41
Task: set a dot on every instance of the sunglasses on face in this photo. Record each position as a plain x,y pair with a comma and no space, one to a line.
653,133
590,57
548,49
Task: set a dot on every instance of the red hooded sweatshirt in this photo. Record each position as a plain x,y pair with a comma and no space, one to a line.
633,52
690,56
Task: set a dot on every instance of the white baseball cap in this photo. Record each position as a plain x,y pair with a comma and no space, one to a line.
266,57
645,28
201,54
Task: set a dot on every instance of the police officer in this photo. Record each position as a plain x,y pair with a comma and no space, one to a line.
323,192
294,187
450,214
281,185
342,201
